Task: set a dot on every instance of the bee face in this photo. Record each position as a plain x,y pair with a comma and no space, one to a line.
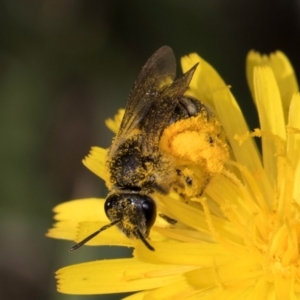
137,165
134,212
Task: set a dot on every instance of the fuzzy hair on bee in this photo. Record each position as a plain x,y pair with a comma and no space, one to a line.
165,142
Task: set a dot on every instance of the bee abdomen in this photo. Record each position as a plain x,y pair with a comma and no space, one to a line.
188,107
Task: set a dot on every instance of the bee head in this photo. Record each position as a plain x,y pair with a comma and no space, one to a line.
133,213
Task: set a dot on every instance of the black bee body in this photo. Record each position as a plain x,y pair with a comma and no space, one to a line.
136,166
131,170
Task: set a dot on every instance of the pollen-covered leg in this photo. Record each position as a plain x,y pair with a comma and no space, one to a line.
199,148
191,182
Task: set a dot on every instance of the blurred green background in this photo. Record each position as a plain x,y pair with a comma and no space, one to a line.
65,66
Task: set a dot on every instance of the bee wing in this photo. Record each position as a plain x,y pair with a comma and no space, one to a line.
159,71
162,109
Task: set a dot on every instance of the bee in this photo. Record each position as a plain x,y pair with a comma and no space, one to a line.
137,167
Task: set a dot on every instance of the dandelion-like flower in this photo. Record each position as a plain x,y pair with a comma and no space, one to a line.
240,240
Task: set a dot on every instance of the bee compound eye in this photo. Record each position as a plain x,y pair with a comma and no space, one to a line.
149,210
111,202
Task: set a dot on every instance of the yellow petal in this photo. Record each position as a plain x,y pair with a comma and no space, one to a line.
239,207
268,102
263,289
184,235
95,161
270,115
296,191
222,293
70,214
177,290
283,71
114,124
91,209
205,79
63,230
116,276
284,285
196,218
208,277
197,254
293,129
238,273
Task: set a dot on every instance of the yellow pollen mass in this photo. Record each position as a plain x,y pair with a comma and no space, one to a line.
197,141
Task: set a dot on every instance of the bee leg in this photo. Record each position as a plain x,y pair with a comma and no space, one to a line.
184,198
205,184
168,219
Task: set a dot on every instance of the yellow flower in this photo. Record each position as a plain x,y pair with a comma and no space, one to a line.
242,242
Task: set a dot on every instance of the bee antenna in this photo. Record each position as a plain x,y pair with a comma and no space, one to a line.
145,241
75,247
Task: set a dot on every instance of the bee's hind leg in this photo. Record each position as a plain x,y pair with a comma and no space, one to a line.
204,186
